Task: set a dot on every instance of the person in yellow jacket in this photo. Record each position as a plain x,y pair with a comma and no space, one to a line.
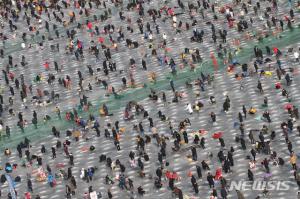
293,160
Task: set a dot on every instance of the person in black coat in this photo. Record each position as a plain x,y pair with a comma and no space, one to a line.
222,143
195,185
69,172
253,153
29,185
185,137
171,183
43,149
193,180
226,166
241,119
221,156
39,160
223,182
205,165
215,193
243,144
199,172
109,194
159,173
266,165
224,193
202,143
194,153
140,164
210,180
230,158
250,175
180,195
225,107
196,139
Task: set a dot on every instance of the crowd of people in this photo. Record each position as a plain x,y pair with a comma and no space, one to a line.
60,53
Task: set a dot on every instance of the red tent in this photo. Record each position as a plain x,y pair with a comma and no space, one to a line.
217,135
278,85
174,176
90,25
168,174
275,50
218,174
170,12
288,106
46,65
27,195
101,40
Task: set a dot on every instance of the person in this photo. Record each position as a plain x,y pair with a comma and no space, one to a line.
210,180
240,195
202,143
189,108
244,111
199,172
194,153
225,107
7,130
251,137
253,153
29,185
290,146
259,86
298,179
222,142
250,175
293,160
172,86
53,152
27,195
224,193
171,183
195,184
265,101
212,100
243,143
110,196
288,79
43,149
296,56
141,190
266,165
159,173
241,119
157,183
213,117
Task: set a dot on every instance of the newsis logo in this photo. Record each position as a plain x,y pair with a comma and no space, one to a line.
260,185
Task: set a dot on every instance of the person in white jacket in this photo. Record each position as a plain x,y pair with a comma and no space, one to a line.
150,37
189,108
296,55
164,36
